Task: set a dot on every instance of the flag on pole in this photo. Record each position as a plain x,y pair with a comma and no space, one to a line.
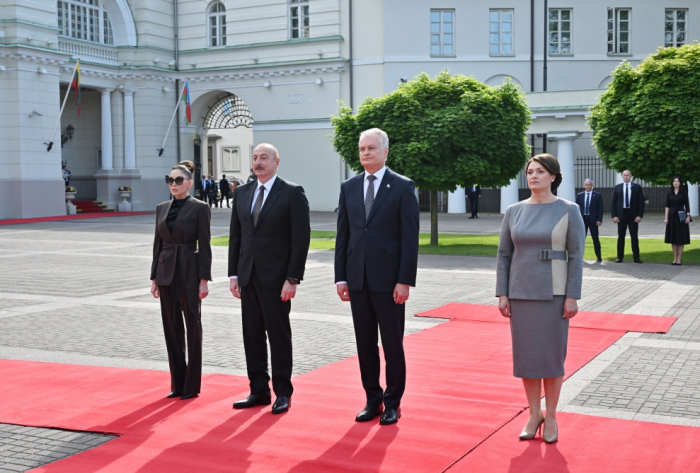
186,98
76,85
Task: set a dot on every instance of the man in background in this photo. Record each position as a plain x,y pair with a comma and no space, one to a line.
627,211
474,194
591,204
224,188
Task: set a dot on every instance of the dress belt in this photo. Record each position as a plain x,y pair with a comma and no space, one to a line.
171,245
552,254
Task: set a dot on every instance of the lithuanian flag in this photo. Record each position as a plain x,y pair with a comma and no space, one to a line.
76,84
186,98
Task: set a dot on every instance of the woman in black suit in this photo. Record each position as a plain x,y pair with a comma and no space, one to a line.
677,231
180,273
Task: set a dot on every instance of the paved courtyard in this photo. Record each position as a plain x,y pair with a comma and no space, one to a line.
78,292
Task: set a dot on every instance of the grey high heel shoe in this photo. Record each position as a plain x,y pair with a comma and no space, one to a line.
551,438
525,435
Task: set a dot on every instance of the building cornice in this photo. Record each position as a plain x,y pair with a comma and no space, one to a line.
270,44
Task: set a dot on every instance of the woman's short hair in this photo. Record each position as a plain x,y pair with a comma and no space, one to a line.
381,134
681,188
187,167
551,164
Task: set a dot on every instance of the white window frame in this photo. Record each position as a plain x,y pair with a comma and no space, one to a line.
225,149
438,33
303,28
501,32
675,43
614,33
559,43
86,20
216,26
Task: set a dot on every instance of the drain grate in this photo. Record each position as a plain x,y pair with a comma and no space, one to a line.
24,448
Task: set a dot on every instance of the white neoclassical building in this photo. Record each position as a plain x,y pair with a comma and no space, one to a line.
274,71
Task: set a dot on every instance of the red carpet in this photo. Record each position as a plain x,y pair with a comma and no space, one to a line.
18,221
599,320
588,445
460,390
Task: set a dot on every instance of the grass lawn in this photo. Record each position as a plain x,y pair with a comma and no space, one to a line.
652,250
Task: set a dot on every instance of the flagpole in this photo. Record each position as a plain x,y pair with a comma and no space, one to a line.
70,85
179,99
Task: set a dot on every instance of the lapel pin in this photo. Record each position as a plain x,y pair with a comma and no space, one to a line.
388,185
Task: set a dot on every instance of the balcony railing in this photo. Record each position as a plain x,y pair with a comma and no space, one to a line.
91,52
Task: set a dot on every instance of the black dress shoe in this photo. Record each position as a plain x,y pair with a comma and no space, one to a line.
619,260
253,400
369,413
469,218
188,396
600,260
172,395
638,261
282,404
390,416
476,216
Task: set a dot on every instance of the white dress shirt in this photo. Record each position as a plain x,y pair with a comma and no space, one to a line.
268,185
379,175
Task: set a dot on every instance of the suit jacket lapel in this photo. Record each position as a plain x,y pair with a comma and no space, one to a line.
162,220
248,201
382,192
271,198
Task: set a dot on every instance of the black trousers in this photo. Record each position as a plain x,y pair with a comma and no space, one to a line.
627,221
221,202
370,309
474,205
264,311
213,201
185,376
594,234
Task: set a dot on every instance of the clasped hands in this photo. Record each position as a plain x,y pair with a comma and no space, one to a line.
401,292
288,290
570,307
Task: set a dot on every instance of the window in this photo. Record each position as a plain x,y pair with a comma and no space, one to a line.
217,25
442,33
501,32
230,159
560,31
619,30
674,31
84,19
299,18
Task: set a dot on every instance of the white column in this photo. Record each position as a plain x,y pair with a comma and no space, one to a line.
509,195
565,155
693,198
107,161
129,130
455,202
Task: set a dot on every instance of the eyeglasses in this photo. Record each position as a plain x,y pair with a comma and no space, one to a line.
170,181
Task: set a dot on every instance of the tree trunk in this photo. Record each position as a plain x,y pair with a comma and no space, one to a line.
433,217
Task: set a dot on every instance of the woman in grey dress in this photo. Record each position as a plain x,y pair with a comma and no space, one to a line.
540,268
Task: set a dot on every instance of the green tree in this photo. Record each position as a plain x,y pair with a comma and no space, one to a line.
443,132
648,121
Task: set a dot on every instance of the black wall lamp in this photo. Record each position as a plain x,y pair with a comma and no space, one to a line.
68,136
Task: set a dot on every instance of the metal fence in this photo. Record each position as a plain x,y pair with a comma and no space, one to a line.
424,201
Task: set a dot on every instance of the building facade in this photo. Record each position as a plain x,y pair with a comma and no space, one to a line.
274,71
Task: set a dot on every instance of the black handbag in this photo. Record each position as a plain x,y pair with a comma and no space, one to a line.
682,215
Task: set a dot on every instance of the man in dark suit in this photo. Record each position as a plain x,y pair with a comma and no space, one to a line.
591,204
473,193
224,188
201,186
376,260
627,212
211,192
269,241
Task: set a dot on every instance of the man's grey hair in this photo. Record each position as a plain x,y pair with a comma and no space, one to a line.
588,180
275,153
383,137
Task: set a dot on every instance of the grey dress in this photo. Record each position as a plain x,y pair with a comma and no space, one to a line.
540,264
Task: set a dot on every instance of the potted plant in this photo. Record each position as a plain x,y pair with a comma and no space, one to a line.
70,193
125,195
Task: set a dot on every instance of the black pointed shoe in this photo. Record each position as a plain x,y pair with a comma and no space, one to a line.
253,400
282,404
369,413
188,396
390,416
173,394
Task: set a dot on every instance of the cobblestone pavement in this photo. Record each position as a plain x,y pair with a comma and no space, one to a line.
24,448
85,284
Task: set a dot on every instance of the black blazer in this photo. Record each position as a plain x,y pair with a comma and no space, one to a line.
636,201
279,244
472,193
183,257
386,243
595,212
224,187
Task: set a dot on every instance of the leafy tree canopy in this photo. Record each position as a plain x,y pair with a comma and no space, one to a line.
444,132
648,121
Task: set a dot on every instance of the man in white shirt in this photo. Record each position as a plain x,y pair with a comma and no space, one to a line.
627,211
591,205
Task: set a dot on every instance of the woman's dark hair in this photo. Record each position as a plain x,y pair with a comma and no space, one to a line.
681,188
551,164
185,166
